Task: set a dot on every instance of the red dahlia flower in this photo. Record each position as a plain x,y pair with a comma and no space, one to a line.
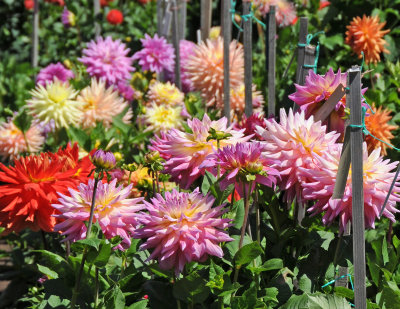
115,17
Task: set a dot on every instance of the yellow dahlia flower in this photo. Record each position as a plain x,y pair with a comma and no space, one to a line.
57,101
165,93
163,118
101,104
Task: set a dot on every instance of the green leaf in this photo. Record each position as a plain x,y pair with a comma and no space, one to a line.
57,264
344,292
316,301
139,305
208,180
385,254
78,135
191,289
247,254
305,284
114,298
100,258
270,295
23,121
247,301
47,271
119,124
91,242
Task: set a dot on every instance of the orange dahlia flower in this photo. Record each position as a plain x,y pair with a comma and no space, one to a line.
31,185
378,125
366,35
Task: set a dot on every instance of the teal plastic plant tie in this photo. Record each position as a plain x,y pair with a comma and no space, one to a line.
252,16
310,37
341,277
233,12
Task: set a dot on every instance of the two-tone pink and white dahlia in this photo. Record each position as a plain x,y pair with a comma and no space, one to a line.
108,60
242,160
114,211
317,91
285,13
295,142
182,227
377,180
186,151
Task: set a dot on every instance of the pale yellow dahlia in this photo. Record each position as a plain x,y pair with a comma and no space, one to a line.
13,142
161,118
57,101
165,93
206,69
101,104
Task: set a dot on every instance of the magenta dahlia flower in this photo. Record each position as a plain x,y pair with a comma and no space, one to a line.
295,142
242,160
316,91
250,124
182,227
377,180
186,49
126,90
68,18
115,213
54,71
108,60
157,55
186,151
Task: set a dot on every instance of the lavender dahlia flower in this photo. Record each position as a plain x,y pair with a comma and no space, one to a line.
115,213
182,227
157,55
103,159
108,60
54,71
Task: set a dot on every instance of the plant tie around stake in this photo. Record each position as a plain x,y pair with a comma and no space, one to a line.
310,37
341,277
244,17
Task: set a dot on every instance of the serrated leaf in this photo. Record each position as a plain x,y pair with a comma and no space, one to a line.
114,298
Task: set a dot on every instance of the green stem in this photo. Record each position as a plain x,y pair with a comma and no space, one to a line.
123,266
96,291
154,183
218,166
258,217
337,250
129,179
88,232
221,302
158,183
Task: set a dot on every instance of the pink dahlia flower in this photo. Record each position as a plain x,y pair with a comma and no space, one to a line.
126,90
285,14
115,213
182,227
377,180
186,151
250,124
316,91
157,55
295,142
242,160
186,49
54,71
108,60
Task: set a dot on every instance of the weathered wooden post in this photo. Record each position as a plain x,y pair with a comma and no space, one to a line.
96,11
182,19
271,58
227,34
205,18
175,39
160,16
35,35
308,63
357,181
248,59
301,47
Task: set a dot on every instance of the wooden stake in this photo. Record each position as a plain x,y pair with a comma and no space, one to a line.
227,28
356,147
271,58
160,16
35,34
205,18
182,19
166,24
343,271
327,108
309,60
343,168
175,39
248,59
301,49
96,11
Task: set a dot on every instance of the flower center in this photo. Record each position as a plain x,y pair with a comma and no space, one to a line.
58,94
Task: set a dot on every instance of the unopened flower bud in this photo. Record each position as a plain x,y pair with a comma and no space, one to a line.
103,160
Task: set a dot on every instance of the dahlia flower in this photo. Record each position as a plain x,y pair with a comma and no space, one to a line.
13,142
54,71
108,60
182,227
163,117
186,151
101,104
68,18
126,90
242,160
206,69
157,55
140,179
238,102
115,213
165,94
377,180
186,49
295,142
366,34
378,125
115,17
250,124
317,90
103,159
30,186
285,13
56,101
